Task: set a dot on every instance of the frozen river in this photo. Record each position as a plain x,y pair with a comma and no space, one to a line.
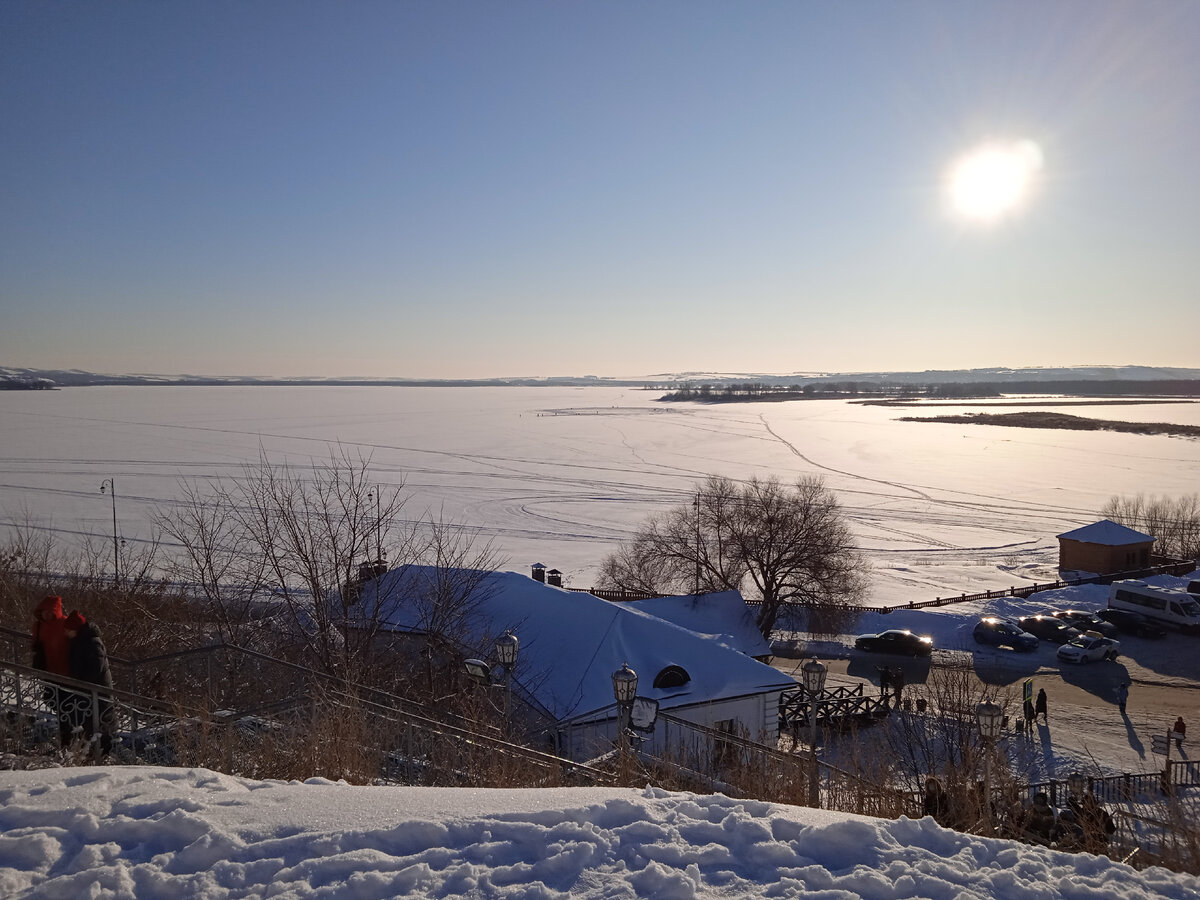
560,475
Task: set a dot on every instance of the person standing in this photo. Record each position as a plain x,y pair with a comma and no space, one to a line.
897,684
936,802
50,647
89,662
1042,820
1040,706
1030,715
1122,695
1180,729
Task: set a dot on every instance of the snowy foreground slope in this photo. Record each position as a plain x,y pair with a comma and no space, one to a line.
172,833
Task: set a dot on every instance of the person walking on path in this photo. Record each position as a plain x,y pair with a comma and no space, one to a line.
51,650
1122,695
1030,715
1040,706
89,662
1180,729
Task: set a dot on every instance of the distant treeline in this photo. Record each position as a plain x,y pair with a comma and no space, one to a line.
1061,421
26,384
757,391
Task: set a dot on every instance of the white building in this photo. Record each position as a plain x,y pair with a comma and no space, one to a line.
571,643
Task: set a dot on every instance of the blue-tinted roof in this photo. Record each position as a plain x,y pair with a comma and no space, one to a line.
1108,533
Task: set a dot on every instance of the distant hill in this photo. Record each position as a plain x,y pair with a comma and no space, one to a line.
24,379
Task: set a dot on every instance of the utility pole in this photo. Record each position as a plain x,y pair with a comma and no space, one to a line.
109,486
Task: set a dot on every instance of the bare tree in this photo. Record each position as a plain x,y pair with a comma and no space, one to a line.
944,743
26,559
453,582
1173,522
788,544
297,538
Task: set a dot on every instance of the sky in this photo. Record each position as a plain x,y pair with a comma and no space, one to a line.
147,832
469,189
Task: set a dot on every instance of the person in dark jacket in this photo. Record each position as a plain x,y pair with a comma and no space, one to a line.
1041,821
1094,824
50,646
1040,706
936,802
1179,728
89,662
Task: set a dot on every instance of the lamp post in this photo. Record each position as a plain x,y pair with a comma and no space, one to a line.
625,682
988,715
110,486
373,494
813,674
506,651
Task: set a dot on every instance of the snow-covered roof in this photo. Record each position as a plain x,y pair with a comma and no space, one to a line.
572,642
1108,533
723,615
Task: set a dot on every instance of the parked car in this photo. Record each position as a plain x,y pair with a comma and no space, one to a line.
1089,647
1131,623
1003,633
895,640
1086,621
1049,628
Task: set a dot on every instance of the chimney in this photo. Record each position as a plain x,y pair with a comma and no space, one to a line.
539,572
554,578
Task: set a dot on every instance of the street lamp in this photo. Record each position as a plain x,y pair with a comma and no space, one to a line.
109,486
625,682
506,651
989,716
373,494
813,674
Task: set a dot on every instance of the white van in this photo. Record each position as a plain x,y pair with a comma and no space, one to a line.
1173,607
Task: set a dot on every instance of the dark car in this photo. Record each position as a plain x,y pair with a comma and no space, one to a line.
895,640
1004,633
1086,621
1132,623
1049,628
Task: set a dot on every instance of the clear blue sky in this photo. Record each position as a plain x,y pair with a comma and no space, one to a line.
462,189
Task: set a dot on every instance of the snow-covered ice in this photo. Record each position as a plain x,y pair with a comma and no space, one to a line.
561,475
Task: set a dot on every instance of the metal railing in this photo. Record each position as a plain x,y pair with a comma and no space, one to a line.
222,685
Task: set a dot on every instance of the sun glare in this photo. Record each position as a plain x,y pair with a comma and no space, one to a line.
993,180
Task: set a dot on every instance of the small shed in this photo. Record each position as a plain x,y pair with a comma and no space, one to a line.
1104,547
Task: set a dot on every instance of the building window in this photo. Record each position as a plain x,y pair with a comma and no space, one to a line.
672,677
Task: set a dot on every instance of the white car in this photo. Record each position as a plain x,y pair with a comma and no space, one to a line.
1089,646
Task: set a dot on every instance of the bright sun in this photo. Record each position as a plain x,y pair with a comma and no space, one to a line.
993,180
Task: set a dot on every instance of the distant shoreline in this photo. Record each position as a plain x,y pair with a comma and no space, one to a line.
1061,421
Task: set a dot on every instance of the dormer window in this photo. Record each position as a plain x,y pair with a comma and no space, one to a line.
672,677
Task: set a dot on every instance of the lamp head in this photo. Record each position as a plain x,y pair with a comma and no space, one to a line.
479,670
989,716
813,674
625,682
506,649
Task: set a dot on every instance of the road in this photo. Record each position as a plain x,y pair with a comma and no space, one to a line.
1085,722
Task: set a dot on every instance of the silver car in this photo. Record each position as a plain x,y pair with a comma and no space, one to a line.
1089,647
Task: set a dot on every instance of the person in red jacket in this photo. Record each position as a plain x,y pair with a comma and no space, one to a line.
51,653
